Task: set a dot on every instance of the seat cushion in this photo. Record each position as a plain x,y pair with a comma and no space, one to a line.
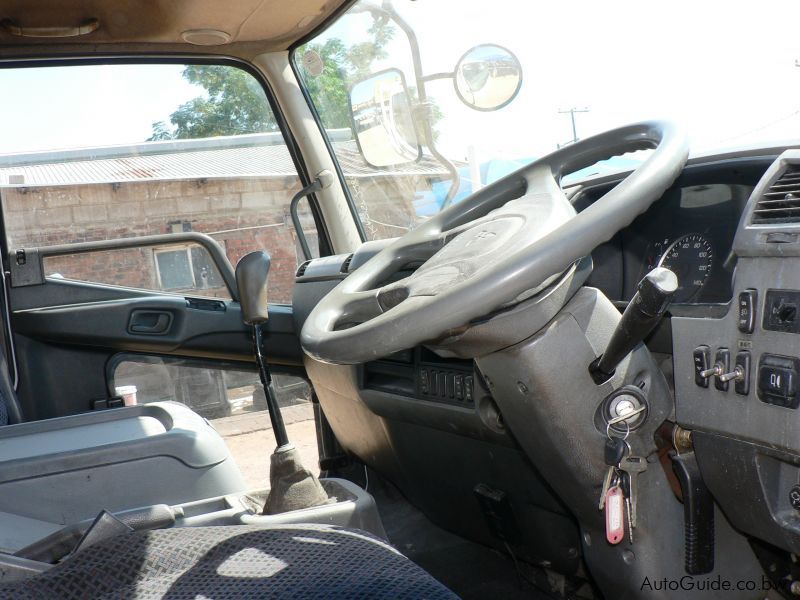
285,561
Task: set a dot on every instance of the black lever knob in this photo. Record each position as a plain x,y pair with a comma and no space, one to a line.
642,314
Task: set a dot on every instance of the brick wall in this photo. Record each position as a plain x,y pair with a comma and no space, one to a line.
243,214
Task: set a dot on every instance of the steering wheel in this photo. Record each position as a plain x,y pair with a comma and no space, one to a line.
499,246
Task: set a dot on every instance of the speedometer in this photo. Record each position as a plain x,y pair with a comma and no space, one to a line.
691,258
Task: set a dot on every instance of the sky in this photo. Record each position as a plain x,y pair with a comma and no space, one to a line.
724,69
86,106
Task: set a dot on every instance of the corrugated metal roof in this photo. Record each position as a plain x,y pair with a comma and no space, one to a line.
259,155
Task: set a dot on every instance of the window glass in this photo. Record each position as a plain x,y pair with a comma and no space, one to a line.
578,74
231,397
186,269
133,150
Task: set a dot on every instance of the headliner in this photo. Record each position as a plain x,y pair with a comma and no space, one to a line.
134,26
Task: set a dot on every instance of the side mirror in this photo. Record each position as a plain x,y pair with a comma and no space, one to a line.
383,121
252,273
487,77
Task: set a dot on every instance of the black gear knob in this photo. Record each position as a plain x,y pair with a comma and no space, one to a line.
642,314
252,273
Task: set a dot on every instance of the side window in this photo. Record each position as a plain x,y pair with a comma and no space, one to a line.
186,269
230,396
135,150
213,390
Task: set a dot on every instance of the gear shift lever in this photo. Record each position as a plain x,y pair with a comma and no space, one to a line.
251,279
292,486
642,314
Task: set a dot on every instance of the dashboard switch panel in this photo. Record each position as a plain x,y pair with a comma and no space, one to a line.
777,380
702,360
747,310
781,311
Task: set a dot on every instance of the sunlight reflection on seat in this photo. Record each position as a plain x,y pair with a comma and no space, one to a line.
310,540
251,562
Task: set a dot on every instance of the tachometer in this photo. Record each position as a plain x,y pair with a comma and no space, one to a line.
691,258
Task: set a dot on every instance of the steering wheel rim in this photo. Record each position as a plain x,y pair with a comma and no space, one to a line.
501,244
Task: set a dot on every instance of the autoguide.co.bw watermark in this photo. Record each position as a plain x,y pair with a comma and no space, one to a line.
689,583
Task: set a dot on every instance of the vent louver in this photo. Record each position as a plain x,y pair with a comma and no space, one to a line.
781,202
301,270
346,264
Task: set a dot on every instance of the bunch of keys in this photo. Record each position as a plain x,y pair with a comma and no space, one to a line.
618,497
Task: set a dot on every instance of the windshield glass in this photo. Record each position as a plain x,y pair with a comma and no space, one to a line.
730,77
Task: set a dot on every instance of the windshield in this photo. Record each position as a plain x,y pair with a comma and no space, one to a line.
730,77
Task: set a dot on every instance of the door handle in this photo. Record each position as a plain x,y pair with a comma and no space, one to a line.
149,322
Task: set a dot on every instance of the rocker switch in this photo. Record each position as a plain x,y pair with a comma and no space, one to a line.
702,360
747,310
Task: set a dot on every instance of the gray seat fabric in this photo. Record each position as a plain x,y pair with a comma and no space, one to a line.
289,561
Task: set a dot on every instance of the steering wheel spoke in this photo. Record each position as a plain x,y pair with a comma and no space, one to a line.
359,307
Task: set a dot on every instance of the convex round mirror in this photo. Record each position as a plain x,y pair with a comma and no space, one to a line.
487,77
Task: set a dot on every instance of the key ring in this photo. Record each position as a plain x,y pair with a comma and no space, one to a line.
625,437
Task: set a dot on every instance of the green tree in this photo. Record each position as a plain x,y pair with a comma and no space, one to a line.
342,65
234,102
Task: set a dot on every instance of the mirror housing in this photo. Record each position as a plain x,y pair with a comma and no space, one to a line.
383,120
252,273
487,77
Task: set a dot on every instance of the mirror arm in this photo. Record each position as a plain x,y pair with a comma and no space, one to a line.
435,76
388,10
422,96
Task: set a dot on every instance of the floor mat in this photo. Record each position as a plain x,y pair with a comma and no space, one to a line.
471,570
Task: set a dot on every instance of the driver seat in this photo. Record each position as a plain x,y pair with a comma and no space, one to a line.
283,561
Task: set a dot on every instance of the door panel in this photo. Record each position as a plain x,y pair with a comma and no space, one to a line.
66,331
63,350
216,334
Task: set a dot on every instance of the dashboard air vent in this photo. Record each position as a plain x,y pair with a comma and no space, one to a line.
781,202
301,270
346,264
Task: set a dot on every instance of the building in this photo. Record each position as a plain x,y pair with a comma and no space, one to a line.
236,189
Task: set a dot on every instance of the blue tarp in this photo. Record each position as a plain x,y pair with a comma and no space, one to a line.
429,203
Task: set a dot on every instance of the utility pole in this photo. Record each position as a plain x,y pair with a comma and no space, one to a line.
572,112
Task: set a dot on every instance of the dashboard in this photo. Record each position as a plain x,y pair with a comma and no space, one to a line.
731,349
690,230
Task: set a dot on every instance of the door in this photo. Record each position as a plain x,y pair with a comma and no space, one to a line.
128,193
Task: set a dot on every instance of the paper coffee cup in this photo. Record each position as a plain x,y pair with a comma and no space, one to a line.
128,393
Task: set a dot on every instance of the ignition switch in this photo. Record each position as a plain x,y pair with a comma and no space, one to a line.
624,409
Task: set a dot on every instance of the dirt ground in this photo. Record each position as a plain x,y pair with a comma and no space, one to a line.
250,440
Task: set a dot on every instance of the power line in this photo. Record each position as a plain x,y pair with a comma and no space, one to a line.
571,112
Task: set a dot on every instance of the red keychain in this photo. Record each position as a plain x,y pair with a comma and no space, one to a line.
615,515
